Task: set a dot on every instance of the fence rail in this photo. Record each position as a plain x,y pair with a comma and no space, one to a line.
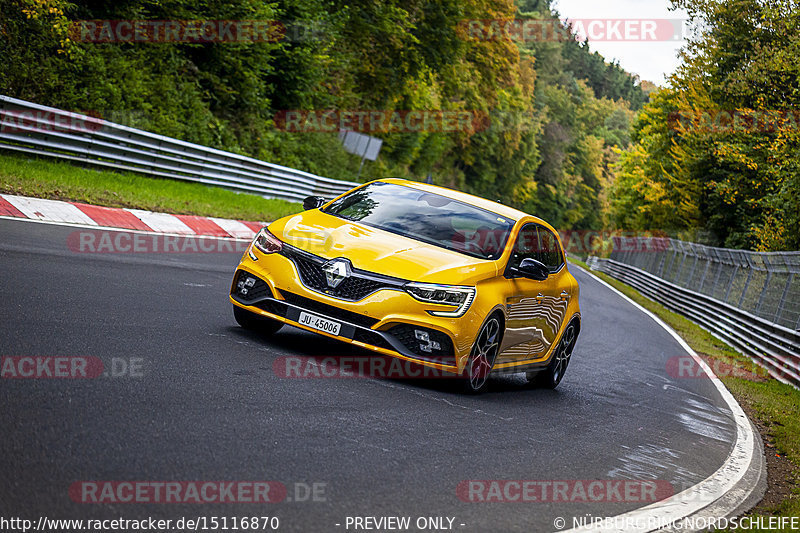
45,131
770,344
766,285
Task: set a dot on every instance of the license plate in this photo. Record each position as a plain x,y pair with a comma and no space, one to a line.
319,323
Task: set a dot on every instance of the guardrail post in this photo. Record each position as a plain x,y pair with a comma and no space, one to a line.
703,278
730,283
662,259
779,312
655,260
746,285
763,292
716,277
628,255
769,268
677,279
671,262
691,272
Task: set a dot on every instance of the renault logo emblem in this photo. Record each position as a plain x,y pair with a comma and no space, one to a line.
336,271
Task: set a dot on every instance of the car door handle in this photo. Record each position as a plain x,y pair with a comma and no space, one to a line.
564,295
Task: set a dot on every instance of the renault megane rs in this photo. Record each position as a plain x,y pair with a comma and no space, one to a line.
418,272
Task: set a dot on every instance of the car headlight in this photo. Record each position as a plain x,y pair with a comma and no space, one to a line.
443,294
266,242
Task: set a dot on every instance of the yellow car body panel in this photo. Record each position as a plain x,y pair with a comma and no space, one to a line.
535,313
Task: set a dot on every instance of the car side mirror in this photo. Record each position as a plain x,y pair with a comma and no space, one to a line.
313,202
532,269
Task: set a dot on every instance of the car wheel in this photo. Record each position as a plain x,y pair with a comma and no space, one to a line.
552,375
482,357
254,322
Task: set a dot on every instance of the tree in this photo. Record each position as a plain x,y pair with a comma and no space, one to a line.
721,146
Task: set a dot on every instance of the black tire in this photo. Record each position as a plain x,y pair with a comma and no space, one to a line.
553,373
482,357
254,322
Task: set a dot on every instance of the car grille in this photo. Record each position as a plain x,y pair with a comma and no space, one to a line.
356,287
328,310
406,334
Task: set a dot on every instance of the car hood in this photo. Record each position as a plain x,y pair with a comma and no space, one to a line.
379,251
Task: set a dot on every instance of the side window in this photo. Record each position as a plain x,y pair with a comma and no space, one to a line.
536,242
550,251
527,245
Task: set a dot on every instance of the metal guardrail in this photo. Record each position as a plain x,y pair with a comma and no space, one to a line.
772,346
766,285
45,131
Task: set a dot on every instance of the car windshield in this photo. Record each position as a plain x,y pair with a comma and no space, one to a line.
427,217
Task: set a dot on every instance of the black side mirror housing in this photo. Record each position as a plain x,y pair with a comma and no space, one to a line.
531,269
313,202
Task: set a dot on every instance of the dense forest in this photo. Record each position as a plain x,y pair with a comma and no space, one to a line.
561,132
555,113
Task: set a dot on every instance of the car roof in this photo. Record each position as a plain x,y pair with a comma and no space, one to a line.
488,205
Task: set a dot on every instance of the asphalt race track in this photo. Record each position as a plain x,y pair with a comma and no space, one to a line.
205,404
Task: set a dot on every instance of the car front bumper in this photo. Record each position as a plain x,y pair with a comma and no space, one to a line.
388,321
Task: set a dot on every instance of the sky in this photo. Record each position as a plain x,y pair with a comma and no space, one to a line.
650,60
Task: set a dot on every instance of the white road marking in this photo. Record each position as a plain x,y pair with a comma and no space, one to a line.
162,222
41,209
94,225
234,228
710,490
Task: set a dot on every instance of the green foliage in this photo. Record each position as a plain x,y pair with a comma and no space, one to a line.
734,184
586,115
556,111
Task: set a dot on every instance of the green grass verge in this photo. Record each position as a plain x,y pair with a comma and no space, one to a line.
772,405
45,178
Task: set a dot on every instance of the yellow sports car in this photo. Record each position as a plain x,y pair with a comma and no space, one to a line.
422,273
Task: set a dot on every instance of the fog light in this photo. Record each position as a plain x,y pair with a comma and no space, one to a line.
245,284
429,345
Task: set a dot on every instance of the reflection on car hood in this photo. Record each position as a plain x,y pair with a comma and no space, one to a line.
379,251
